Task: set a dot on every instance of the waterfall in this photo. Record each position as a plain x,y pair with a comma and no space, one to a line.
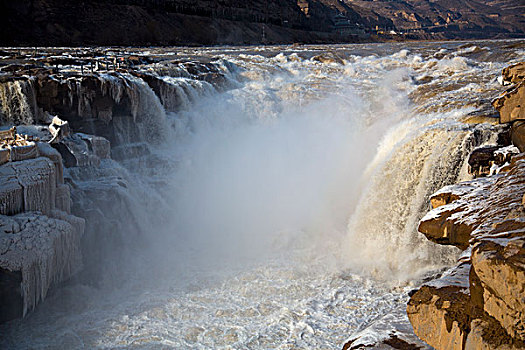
180,93
148,114
415,159
280,211
16,103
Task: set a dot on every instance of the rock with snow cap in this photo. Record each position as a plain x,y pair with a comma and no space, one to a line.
493,283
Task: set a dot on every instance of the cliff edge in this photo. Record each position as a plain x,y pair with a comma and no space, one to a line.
480,303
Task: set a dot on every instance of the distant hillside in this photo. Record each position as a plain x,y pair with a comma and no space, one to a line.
451,19
160,22
208,22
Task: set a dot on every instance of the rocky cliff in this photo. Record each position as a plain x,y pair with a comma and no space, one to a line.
479,303
39,238
178,22
208,22
63,198
450,19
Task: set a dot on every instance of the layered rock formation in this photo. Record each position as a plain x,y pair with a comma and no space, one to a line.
450,19
39,238
57,179
479,304
148,22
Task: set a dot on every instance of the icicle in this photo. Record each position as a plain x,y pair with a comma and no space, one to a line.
45,250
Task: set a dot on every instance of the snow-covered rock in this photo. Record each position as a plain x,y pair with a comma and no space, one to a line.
42,250
479,304
27,186
39,239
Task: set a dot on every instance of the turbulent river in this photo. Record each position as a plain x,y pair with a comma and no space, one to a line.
287,216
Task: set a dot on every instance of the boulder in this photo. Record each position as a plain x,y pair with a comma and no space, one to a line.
440,226
328,58
98,145
518,134
499,263
481,160
82,150
514,73
439,311
448,222
486,160
36,252
510,104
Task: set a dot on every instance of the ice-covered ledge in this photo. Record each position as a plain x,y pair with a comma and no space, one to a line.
482,307
39,238
41,250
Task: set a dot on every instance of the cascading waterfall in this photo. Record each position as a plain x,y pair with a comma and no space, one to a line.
15,103
414,160
149,116
179,93
281,212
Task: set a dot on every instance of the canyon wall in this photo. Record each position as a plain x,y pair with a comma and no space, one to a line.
179,22
207,22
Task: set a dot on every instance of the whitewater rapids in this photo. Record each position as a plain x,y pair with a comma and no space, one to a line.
288,215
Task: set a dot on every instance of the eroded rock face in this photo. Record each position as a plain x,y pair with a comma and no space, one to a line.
449,223
27,186
498,263
480,303
439,311
511,104
514,73
39,239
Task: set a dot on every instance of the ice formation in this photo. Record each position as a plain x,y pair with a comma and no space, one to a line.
45,249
